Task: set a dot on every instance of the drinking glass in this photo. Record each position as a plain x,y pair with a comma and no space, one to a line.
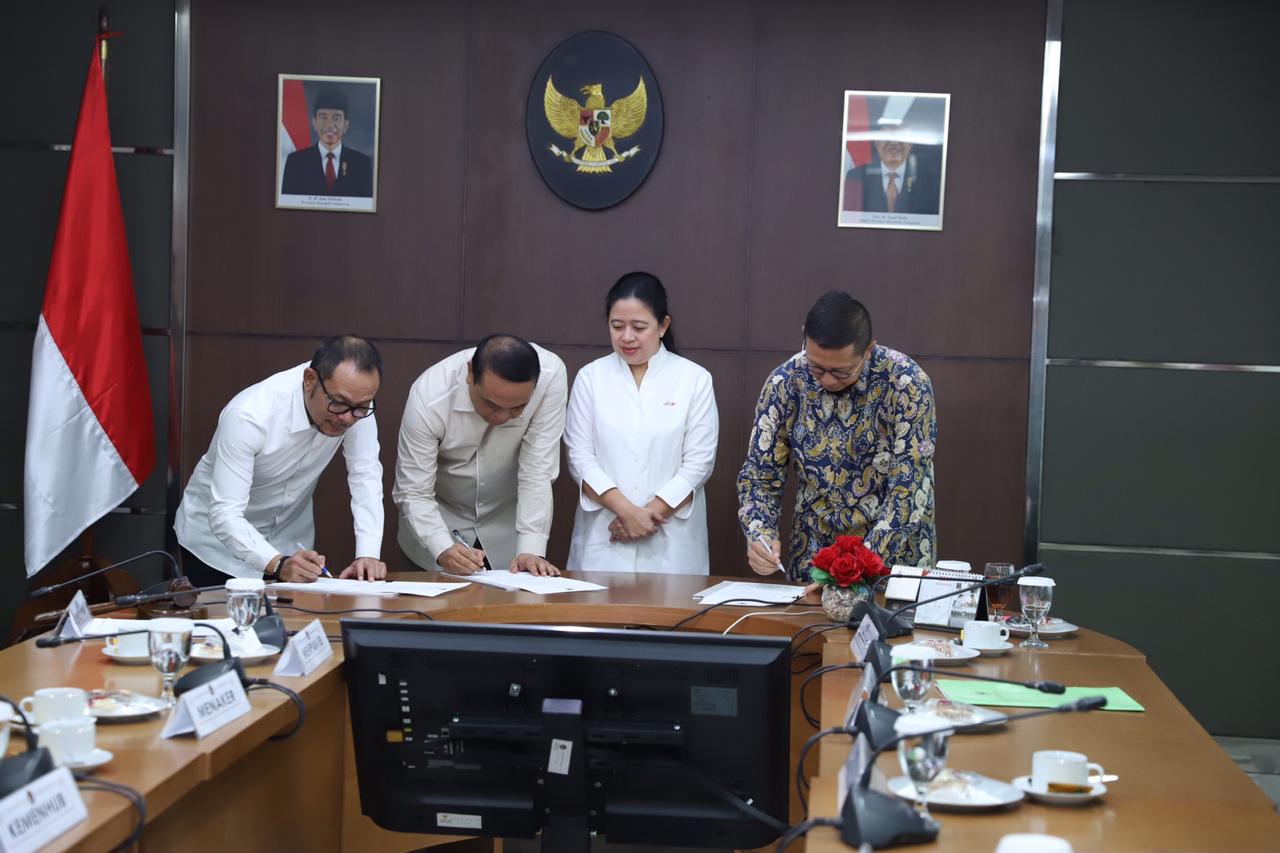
170,645
1036,595
998,595
244,602
922,759
910,685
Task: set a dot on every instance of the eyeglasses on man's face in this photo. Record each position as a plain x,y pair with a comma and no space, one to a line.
337,407
840,374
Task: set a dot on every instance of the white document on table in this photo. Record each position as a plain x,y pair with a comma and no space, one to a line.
525,582
336,586
770,593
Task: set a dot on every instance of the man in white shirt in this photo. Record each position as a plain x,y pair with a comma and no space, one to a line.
247,511
479,450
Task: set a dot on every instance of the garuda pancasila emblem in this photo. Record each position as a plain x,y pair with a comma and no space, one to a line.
593,127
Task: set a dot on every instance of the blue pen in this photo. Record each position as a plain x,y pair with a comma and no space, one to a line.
323,570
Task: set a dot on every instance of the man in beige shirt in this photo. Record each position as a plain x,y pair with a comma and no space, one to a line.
479,450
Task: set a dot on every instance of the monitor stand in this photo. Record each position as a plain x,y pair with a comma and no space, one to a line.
564,828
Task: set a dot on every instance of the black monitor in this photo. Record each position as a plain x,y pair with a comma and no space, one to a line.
644,737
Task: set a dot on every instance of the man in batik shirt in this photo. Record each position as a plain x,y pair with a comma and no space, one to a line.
855,421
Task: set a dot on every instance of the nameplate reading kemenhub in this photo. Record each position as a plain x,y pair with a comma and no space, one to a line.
36,814
307,650
209,707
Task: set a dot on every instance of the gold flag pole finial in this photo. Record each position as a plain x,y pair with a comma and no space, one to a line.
103,33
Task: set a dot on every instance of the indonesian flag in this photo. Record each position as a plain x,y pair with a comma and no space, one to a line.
295,124
90,442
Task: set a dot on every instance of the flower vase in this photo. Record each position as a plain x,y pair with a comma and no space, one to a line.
838,601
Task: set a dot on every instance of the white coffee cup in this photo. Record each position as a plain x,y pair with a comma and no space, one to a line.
70,741
983,635
1032,842
55,703
954,565
1051,768
129,645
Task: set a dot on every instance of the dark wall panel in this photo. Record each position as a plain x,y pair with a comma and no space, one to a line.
1180,272
1148,599
1169,87
1173,459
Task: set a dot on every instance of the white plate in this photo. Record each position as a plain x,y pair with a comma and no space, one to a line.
206,654
1023,783
128,660
943,652
123,706
1052,627
960,790
93,760
993,651
965,715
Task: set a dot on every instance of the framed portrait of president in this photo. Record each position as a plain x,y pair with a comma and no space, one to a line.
327,155
893,160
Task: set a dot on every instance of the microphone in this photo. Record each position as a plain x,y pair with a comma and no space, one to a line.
39,592
879,654
882,820
878,722
202,675
888,627
54,642
142,598
18,771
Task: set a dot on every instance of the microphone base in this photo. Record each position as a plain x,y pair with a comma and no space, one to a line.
870,817
166,610
22,769
271,631
895,627
202,675
877,722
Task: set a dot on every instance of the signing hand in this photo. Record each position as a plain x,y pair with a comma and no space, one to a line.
534,565
764,561
302,566
460,560
365,569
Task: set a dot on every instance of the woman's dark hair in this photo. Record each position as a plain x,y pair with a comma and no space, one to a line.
648,289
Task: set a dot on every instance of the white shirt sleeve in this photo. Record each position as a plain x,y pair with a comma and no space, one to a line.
539,466
579,440
236,442
417,457
698,455
364,479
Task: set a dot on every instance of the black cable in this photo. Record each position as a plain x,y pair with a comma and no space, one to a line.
280,606
817,659
803,828
822,627
737,601
264,684
801,784
747,807
818,673
89,783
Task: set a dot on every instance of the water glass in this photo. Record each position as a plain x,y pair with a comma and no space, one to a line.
244,601
1036,594
170,646
912,685
922,759
998,595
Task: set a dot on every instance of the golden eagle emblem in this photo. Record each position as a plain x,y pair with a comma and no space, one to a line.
593,127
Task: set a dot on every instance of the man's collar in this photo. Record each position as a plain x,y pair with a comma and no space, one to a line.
299,419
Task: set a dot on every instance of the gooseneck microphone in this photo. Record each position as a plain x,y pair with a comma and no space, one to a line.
46,590
209,671
882,820
143,598
54,642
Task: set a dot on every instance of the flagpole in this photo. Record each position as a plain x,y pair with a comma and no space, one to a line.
104,32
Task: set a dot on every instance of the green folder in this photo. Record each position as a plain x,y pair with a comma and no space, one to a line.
1017,696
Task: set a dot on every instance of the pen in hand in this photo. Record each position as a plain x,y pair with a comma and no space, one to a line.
323,570
457,537
768,546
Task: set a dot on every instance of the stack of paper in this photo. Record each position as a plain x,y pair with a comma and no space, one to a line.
349,586
526,582
771,593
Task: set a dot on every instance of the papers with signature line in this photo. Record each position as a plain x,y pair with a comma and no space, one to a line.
771,593
350,586
525,582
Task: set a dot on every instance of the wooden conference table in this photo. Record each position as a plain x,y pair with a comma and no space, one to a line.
237,789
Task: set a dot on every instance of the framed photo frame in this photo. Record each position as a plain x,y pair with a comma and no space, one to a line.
893,154
327,153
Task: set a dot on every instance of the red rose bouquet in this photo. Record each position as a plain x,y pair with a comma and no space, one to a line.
846,563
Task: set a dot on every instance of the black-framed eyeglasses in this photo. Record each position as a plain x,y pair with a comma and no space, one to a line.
840,374
337,407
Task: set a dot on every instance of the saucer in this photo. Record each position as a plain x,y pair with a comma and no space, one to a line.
992,651
1052,627
206,654
1023,783
960,790
92,761
127,660
123,706
941,652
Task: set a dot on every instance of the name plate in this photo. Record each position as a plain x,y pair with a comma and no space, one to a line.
863,638
36,814
78,617
852,769
860,693
305,651
209,707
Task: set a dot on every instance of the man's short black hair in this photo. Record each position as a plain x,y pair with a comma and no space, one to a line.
512,358
340,348
330,98
837,320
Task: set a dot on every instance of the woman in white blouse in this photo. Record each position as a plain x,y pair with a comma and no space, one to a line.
641,432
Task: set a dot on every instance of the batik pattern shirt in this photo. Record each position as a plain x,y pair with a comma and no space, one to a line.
862,459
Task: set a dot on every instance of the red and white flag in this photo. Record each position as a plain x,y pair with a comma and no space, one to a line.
90,442
295,125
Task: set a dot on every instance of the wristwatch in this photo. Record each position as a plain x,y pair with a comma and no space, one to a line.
273,575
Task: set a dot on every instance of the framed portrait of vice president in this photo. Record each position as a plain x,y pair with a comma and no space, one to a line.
327,156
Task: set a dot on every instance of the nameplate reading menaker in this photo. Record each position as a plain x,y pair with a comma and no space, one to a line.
306,650
36,814
208,707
